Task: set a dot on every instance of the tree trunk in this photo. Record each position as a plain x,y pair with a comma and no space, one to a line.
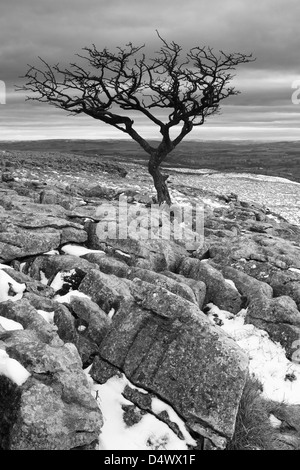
159,181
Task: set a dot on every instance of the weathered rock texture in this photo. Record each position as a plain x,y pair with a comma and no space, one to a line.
141,305
165,344
53,409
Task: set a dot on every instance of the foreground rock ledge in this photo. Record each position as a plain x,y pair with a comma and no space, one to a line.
166,345
53,409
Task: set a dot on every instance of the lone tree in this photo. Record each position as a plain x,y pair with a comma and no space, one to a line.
190,90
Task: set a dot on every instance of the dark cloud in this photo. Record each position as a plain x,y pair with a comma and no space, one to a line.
58,29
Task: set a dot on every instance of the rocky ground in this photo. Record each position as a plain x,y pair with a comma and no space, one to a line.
149,318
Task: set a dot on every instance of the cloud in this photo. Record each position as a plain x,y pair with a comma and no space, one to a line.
57,30
60,28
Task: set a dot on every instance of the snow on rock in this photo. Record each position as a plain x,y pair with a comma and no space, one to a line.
12,369
77,250
294,270
81,328
265,178
149,433
4,266
10,325
43,278
111,313
275,422
48,316
182,199
268,362
8,286
22,266
231,283
59,281
158,406
122,253
67,298
214,204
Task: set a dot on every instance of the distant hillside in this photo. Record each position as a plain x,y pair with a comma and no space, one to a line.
269,158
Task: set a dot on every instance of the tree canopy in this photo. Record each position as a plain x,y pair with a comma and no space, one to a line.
189,89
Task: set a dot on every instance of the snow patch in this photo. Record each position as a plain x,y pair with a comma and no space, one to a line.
48,316
51,252
122,253
111,313
294,270
231,283
275,422
67,298
22,266
268,362
158,406
59,281
8,285
148,434
77,250
10,325
43,278
196,171
4,266
12,369
212,203
253,176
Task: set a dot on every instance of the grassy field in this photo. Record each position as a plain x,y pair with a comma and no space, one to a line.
268,158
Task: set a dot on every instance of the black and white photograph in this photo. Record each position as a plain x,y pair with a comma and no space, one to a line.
149,228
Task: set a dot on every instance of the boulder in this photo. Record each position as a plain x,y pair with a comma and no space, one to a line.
247,285
66,325
51,265
108,291
141,404
72,235
287,436
20,243
51,196
276,310
24,313
159,280
289,415
102,192
87,350
198,287
156,255
286,283
279,317
107,264
72,329
53,409
33,286
41,303
7,176
29,231
165,344
249,244
96,320
218,291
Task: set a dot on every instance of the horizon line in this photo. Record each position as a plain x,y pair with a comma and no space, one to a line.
149,140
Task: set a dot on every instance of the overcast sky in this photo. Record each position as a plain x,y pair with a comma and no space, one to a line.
58,29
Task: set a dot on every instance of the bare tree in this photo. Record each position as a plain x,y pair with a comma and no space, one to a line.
190,90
